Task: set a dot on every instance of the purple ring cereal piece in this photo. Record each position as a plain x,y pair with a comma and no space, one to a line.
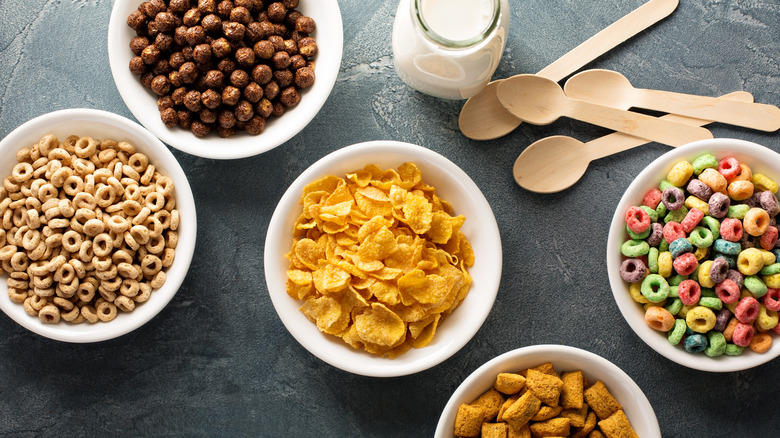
673,198
656,234
719,270
727,291
632,270
699,189
769,202
722,319
754,200
718,205
743,334
736,276
747,310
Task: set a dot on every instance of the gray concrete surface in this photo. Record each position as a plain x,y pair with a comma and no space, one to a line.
218,362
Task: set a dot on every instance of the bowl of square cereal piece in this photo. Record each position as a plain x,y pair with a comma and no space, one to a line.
383,258
225,80
548,390
98,225
692,255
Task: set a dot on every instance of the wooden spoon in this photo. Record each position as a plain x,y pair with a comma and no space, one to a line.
610,88
484,118
555,163
540,101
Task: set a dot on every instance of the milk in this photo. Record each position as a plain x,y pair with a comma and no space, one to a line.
449,48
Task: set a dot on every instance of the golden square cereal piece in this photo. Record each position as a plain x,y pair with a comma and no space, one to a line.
492,401
509,383
596,434
617,426
509,402
493,430
468,421
547,412
546,368
571,392
523,431
546,387
576,416
551,428
590,424
601,400
521,411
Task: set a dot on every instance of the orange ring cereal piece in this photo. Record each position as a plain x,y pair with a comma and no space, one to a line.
756,221
740,190
761,342
659,318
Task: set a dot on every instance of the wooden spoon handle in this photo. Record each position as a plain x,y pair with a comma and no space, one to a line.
746,114
618,142
636,124
621,30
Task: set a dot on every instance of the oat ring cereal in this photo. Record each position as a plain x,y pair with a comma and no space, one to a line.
74,242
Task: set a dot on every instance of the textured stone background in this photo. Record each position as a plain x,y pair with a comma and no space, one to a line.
218,362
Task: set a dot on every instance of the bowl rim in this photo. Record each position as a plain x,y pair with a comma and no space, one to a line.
37,128
480,299
143,106
763,158
512,360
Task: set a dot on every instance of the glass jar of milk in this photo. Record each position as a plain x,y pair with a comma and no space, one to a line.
449,48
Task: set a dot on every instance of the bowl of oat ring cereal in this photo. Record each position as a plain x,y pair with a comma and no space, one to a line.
98,225
225,79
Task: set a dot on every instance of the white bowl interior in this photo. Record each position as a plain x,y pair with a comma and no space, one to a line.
143,103
761,160
451,184
635,404
102,125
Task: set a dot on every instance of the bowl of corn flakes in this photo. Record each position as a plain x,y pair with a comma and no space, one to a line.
251,94
696,328
383,258
99,227
548,390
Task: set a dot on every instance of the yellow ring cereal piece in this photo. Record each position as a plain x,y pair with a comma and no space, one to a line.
636,294
740,190
685,309
756,221
767,319
772,281
714,180
665,264
704,274
700,319
700,253
763,183
749,262
769,256
680,173
694,202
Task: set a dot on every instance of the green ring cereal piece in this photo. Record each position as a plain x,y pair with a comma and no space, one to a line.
738,211
634,248
701,237
676,215
755,285
676,279
655,288
713,225
674,306
663,246
733,350
774,268
673,292
713,303
650,212
638,236
665,184
677,332
716,344
661,210
708,292
652,260
704,161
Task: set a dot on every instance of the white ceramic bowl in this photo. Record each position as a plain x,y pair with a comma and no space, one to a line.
761,160
142,102
451,184
564,358
101,125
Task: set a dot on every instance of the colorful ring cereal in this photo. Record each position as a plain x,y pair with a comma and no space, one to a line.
702,257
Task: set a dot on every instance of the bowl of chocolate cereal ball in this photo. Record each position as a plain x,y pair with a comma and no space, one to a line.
225,79
548,390
692,255
383,258
98,225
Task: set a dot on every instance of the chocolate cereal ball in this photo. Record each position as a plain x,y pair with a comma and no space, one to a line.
253,92
199,128
215,79
137,66
262,74
264,108
211,23
243,111
255,125
138,44
166,21
277,12
241,15
304,77
239,78
290,97
233,31
150,54
284,78
207,6
305,25
169,117
192,101
231,95
226,119
264,49
179,5
211,99
245,57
